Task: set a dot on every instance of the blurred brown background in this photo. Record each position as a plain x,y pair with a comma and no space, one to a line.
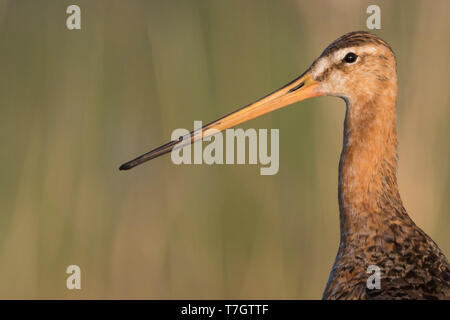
74,105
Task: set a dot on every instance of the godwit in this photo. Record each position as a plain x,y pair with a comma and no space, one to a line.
375,228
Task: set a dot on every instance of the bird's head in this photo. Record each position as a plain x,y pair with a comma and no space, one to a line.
356,67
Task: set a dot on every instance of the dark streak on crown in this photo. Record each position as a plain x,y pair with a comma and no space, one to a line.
354,39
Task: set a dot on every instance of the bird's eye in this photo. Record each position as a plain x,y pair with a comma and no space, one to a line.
350,57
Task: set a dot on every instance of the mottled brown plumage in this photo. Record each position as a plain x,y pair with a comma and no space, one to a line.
375,227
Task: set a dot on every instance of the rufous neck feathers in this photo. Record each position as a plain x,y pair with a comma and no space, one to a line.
368,188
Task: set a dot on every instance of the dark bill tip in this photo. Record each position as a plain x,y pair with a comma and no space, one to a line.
166,148
125,166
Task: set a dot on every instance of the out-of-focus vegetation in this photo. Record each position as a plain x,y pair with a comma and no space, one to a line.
74,105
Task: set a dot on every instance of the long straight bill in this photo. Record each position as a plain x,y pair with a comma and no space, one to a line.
302,88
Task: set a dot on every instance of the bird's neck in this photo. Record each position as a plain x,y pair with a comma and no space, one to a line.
368,191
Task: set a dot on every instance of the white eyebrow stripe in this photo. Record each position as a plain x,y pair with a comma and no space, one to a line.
325,62
320,66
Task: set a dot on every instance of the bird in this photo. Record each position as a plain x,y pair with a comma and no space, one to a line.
375,228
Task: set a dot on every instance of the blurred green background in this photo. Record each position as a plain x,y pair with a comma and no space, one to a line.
74,105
